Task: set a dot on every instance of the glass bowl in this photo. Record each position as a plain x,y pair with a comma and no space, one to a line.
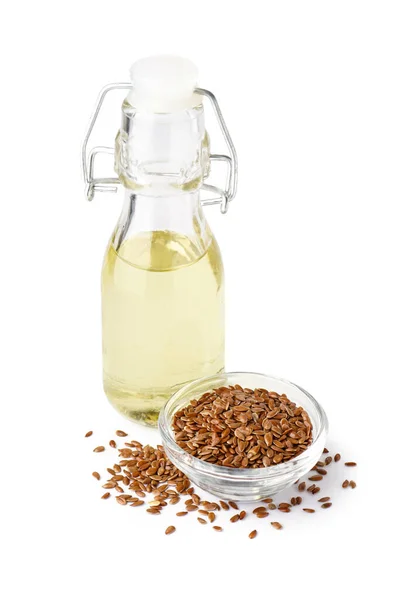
230,483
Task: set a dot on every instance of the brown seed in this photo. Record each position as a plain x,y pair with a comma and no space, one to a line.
234,518
328,460
352,484
276,525
284,505
224,505
217,528
242,514
302,486
267,500
96,475
324,499
109,485
121,433
259,509
211,517
253,534
350,464
112,444
182,513
315,478
262,515
321,471
309,510
316,490
272,506
191,507
120,500
337,457
326,505
99,449
170,530
299,500
202,521
345,483
325,451
89,433
233,504
138,503
105,496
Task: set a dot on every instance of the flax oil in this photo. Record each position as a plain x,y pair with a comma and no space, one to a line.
163,319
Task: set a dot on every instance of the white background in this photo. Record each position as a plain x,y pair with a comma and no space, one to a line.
311,94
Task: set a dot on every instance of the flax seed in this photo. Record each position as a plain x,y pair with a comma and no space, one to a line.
224,505
234,518
233,504
120,433
352,484
253,534
350,464
96,475
345,483
337,457
276,525
105,496
326,505
217,528
170,530
302,486
89,433
99,449
324,499
201,520
309,510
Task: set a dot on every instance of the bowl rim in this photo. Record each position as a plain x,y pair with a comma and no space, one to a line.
235,473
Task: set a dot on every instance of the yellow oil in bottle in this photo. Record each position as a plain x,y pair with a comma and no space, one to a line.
163,319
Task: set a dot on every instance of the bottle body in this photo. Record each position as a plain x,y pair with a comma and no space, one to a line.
162,303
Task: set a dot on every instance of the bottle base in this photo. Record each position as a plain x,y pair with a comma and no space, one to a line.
140,406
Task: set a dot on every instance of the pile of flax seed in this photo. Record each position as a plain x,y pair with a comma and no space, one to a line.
144,476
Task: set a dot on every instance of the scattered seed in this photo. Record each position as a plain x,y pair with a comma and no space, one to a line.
262,515
242,514
324,499
321,471
299,500
337,457
211,517
315,478
217,528
253,534
276,525
350,464
99,449
202,521
182,513
325,451
234,518
352,484
112,444
326,505
120,433
302,486
224,505
345,483
272,506
105,496
267,500
96,475
309,510
89,433
170,530
233,504
120,500
328,460
316,490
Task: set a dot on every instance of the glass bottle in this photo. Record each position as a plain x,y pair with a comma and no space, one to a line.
162,277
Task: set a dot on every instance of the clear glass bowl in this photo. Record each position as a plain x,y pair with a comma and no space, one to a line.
245,485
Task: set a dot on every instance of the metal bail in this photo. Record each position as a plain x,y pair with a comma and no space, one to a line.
109,184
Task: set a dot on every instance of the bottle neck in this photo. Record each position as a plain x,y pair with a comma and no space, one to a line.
180,213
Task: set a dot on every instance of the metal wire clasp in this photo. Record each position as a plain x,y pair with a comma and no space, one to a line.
109,184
